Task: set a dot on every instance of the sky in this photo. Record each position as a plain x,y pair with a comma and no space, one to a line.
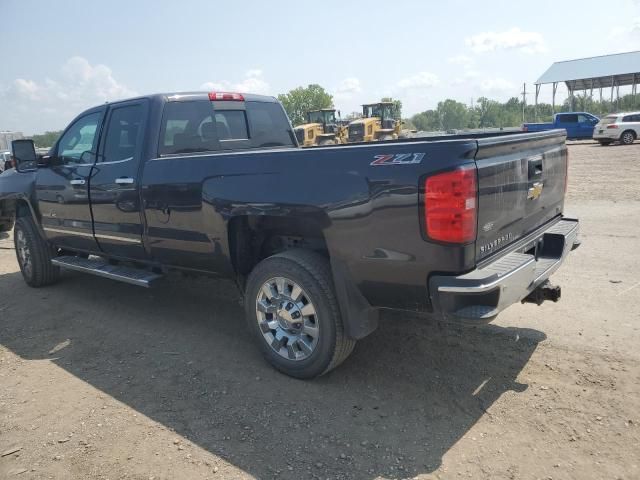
61,57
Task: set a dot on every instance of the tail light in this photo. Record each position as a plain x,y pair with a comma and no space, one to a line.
612,126
450,206
213,96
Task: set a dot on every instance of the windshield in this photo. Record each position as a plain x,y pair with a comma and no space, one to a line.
380,111
325,117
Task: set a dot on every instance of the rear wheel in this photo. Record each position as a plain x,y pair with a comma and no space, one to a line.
628,137
293,314
34,254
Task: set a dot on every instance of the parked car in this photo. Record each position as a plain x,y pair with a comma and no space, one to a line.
318,240
618,127
5,161
578,125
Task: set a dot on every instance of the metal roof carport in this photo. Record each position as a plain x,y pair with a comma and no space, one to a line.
606,71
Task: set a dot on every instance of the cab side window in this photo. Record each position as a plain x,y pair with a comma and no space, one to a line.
79,140
122,134
568,118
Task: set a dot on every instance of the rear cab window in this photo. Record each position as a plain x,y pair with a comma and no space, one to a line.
190,126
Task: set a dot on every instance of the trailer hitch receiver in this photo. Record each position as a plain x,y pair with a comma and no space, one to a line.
545,291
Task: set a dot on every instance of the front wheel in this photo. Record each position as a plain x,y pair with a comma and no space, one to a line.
34,254
293,314
627,138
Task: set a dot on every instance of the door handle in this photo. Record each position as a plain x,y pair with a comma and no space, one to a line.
77,182
124,181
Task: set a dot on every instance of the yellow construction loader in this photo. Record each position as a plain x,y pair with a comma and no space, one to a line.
378,122
321,128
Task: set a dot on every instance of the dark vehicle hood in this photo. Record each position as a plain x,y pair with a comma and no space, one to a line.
14,184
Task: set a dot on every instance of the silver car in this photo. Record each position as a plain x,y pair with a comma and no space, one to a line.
618,127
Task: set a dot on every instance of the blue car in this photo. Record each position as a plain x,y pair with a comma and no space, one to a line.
579,125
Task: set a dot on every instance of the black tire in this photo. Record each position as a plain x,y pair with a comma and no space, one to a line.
604,143
37,271
384,138
312,273
627,137
326,142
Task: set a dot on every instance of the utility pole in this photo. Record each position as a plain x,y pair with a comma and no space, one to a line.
524,100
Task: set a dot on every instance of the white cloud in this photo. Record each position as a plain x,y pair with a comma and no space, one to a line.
254,72
462,60
27,88
253,82
629,30
513,39
347,88
80,84
497,85
466,77
419,81
35,105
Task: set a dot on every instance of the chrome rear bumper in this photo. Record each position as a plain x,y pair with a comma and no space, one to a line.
480,295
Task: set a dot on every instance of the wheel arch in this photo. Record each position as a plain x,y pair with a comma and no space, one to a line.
12,208
252,238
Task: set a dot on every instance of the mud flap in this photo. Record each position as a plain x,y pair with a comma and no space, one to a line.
359,317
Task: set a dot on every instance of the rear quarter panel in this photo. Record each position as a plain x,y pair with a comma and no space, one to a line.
369,215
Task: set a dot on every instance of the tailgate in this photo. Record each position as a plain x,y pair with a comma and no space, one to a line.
521,185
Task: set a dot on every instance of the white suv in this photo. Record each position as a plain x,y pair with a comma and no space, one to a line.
622,127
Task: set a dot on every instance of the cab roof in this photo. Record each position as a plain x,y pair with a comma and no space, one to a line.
197,95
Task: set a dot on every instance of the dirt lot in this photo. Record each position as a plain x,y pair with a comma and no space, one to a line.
104,381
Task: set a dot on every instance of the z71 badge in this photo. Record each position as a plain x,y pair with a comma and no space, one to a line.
398,159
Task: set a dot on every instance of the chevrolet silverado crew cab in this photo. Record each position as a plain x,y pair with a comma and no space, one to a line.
318,240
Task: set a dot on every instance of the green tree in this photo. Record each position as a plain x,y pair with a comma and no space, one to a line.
452,114
397,106
428,120
46,139
299,101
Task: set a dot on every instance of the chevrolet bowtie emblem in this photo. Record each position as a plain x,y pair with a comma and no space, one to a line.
535,191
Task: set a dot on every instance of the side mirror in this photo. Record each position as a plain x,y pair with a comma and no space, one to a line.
24,154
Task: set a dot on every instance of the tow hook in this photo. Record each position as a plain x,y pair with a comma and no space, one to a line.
545,291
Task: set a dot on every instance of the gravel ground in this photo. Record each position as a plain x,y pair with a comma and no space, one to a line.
99,380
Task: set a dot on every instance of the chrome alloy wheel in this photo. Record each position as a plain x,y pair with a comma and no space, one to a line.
24,254
287,318
627,138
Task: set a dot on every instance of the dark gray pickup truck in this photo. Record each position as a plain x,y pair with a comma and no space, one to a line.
318,240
